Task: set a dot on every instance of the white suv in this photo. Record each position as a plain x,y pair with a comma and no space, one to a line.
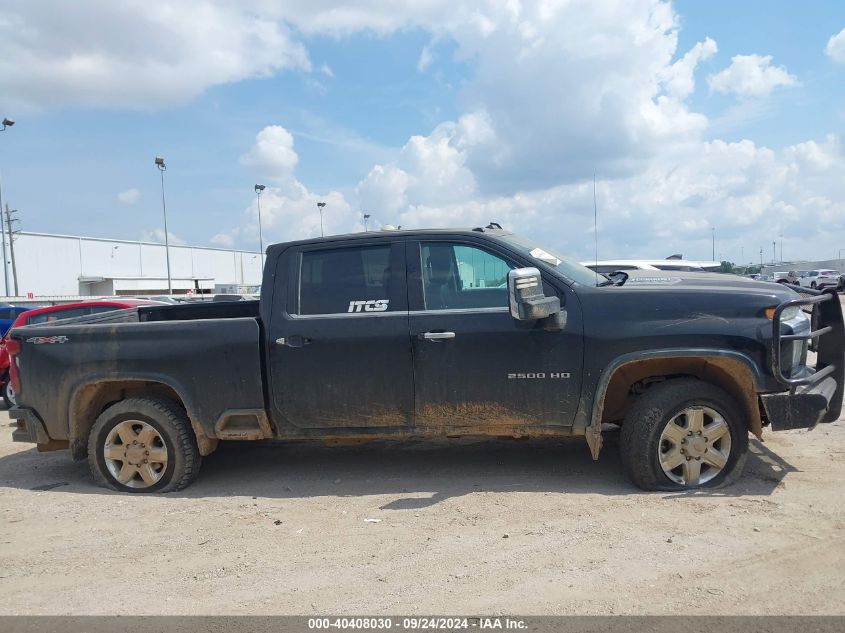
820,279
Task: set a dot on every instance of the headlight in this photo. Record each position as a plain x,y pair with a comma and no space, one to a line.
794,353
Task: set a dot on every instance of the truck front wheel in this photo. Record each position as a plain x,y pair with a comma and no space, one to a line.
143,445
684,434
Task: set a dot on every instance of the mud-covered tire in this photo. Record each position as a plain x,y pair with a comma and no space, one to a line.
171,431
641,446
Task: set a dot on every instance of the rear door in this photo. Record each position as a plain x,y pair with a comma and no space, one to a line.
339,348
477,368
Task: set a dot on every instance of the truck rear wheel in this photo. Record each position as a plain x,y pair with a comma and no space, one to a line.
684,434
143,445
9,393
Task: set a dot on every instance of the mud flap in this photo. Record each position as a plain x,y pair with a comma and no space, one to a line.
594,440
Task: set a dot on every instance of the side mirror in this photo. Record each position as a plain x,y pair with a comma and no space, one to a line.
526,298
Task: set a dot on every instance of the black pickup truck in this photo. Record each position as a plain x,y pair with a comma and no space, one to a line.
448,333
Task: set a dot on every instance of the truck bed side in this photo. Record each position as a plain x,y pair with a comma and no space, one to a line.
212,365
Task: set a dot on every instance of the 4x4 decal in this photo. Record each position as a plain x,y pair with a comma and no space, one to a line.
41,340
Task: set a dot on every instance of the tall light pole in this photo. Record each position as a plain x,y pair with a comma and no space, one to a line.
774,252
713,254
163,168
366,217
320,206
7,122
258,190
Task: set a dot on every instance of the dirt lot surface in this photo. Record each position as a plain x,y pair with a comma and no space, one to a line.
472,527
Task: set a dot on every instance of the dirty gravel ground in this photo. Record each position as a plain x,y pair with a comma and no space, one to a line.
529,527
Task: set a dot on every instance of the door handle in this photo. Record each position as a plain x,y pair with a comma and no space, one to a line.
295,340
436,336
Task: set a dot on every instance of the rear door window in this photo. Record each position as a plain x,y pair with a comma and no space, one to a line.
347,280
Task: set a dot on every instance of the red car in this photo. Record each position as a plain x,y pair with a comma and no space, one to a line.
54,313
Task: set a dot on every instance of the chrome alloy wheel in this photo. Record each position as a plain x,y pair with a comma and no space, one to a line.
135,454
695,446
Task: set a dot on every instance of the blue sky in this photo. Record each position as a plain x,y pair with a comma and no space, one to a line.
431,113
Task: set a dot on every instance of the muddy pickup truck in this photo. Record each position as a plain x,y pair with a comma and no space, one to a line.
441,333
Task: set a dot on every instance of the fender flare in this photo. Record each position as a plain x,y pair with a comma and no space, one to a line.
103,377
593,431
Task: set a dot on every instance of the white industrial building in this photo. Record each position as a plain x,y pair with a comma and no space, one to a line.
49,265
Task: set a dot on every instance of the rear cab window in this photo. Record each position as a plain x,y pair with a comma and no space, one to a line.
353,279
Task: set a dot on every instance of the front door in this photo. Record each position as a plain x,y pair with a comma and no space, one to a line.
339,349
476,368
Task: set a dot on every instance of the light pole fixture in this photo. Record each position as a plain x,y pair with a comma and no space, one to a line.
320,206
366,217
258,190
7,122
163,168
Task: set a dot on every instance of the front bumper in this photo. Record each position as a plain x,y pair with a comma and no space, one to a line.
816,394
803,409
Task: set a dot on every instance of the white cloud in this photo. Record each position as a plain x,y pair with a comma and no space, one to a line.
835,48
425,59
272,156
136,54
130,196
557,91
679,78
751,76
288,208
157,235
749,193
223,240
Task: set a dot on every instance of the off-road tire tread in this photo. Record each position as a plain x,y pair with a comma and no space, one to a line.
167,413
643,423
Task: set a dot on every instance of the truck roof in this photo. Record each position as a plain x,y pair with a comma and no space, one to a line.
388,233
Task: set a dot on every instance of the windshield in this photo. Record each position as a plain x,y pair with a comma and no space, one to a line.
567,266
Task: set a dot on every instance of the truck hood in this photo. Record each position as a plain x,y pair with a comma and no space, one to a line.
705,282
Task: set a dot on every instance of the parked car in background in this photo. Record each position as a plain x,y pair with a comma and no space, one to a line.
820,279
8,314
160,298
792,277
54,313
